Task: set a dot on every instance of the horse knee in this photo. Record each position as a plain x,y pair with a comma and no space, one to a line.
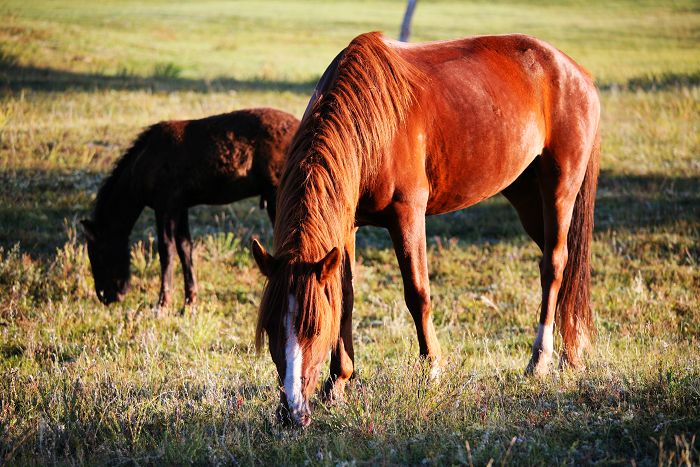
418,302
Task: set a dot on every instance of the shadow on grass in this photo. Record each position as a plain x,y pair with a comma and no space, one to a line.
624,203
660,82
35,205
15,77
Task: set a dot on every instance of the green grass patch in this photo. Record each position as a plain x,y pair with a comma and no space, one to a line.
86,384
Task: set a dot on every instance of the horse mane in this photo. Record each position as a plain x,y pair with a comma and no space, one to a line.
333,157
104,194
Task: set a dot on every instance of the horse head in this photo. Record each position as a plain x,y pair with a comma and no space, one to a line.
109,260
300,314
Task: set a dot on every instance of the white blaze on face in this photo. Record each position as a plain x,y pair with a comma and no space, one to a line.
292,374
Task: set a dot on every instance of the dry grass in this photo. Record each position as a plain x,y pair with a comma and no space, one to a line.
85,384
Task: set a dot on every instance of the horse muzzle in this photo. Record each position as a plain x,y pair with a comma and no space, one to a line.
107,298
298,416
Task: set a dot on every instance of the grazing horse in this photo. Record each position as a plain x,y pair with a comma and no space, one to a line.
171,167
395,132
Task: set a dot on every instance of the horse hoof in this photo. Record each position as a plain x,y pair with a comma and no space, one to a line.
160,310
333,392
566,363
435,369
538,366
190,306
187,309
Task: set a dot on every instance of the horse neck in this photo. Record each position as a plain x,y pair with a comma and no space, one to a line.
118,210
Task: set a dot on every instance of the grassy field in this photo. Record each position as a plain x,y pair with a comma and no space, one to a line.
86,384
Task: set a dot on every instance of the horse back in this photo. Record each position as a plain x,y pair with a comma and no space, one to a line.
492,104
218,159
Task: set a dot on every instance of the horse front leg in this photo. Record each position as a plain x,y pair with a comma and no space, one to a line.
184,251
408,235
165,225
343,354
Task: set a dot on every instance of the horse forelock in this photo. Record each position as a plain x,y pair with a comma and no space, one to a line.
333,157
316,323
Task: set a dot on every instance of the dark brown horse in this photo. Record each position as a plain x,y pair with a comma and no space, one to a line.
395,132
171,167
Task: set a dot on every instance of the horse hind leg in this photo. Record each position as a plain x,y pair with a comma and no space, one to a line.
183,242
524,195
559,186
165,226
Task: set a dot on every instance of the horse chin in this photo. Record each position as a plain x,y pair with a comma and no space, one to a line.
304,421
107,301
121,294
111,297
300,417
101,296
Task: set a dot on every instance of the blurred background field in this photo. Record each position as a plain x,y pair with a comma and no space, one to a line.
87,384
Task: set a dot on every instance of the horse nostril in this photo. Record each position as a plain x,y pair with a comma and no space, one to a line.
303,419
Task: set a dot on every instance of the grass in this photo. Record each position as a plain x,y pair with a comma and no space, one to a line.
85,384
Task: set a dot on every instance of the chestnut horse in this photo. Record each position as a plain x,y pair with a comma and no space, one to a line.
171,167
395,132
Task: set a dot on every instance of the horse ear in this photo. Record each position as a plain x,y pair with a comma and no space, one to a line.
328,265
89,229
266,262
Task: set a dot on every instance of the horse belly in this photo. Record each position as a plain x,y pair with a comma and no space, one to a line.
484,161
487,121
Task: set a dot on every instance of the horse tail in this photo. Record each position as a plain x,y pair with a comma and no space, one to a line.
574,315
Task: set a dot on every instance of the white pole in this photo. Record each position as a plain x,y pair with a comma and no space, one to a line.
406,24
